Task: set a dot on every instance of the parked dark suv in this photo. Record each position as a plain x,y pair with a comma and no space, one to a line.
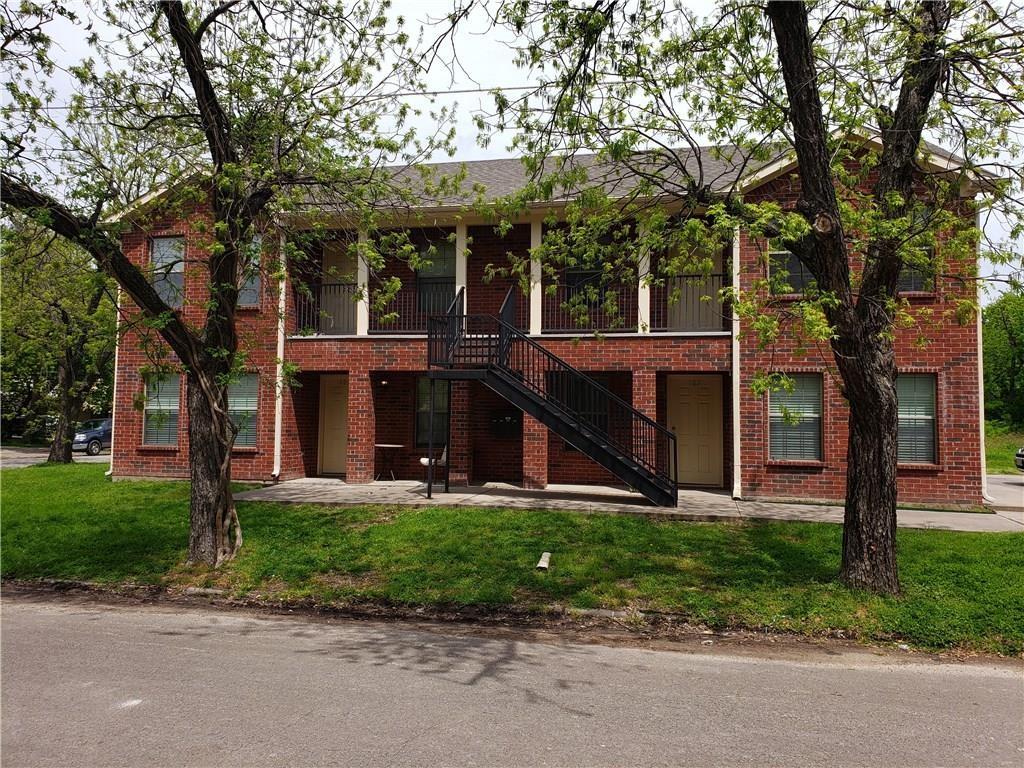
1019,458
92,436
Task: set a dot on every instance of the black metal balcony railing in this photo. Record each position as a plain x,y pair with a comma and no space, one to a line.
328,309
412,305
690,303
582,309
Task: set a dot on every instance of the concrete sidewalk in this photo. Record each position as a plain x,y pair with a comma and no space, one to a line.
1006,492
693,504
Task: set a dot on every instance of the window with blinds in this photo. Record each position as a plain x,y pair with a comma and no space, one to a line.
249,264
160,416
916,279
915,394
787,273
795,420
167,260
243,398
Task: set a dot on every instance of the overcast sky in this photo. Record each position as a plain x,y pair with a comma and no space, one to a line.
486,62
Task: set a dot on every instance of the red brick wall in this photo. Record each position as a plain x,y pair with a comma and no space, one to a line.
258,339
535,458
488,247
950,352
497,454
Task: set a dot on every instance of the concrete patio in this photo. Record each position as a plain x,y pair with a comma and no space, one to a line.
694,505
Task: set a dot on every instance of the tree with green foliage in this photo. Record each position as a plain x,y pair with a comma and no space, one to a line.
266,113
850,90
59,332
1003,337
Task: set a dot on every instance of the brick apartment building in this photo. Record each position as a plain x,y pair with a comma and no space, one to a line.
361,408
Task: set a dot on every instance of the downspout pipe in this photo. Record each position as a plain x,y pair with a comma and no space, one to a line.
737,467
109,474
282,306
981,380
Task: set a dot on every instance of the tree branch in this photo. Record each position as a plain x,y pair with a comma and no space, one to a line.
53,215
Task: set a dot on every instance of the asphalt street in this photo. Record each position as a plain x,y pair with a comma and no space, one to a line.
88,684
14,458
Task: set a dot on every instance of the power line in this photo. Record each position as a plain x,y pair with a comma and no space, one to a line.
397,94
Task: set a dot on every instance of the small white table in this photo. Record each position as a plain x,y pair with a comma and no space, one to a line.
387,451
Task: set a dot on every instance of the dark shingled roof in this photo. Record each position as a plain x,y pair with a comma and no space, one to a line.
718,168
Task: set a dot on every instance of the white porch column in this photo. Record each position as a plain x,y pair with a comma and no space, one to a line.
363,281
461,257
737,432
279,385
643,296
536,277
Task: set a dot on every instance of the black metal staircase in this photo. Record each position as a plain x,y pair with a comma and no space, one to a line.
581,411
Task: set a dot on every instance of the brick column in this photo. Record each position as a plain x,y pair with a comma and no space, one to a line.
645,392
460,453
645,400
362,429
535,453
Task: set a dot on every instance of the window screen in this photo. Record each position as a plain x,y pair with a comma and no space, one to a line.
423,413
243,399
919,279
787,273
795,420
160,418
916,396
167,259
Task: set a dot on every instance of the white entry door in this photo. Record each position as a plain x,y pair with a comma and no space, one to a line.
333,424
695,416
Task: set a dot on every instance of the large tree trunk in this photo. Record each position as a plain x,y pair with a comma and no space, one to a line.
67,417
215,534
869,524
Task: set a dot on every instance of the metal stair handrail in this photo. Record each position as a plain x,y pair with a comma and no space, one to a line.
498,345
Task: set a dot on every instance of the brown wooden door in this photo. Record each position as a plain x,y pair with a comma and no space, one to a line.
695,416
333,424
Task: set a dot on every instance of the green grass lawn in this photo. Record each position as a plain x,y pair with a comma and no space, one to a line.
1001,442
962,590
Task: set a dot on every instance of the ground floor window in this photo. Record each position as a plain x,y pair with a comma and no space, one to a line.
915,394
795,420
160,415
423,413
243,399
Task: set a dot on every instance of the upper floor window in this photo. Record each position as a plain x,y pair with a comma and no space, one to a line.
167,261
243,402
584,282
249,266
160,415
919,277
915,279
915,394
787,273
795,420
435,282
